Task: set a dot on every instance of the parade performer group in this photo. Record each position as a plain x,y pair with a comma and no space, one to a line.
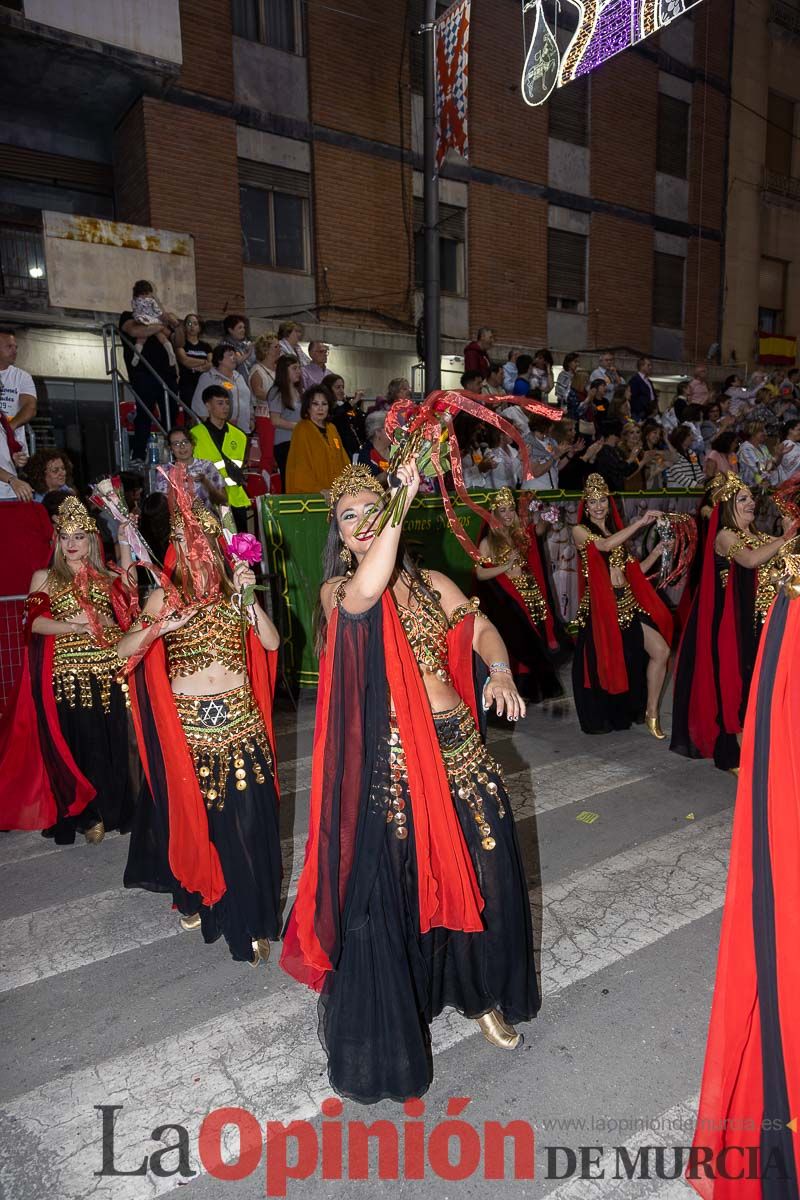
624,629
64,746
719,645
413,895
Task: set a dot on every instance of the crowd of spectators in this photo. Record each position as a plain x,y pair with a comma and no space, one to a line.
621,429
270,408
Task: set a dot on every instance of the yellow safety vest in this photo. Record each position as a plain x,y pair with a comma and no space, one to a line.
234,446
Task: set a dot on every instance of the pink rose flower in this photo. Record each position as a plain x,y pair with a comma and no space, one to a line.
246,548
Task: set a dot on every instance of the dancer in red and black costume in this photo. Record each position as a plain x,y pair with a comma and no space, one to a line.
624,629
413,896
751,1079
512,586
64,739
201,695
719,645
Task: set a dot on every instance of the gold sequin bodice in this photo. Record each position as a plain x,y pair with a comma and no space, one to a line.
627,605
77,658
426,626
212,635
771,575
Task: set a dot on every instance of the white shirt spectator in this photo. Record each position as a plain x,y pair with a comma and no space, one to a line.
507,469
754,463
7,464
509,376
541,379
563,385
542,450
14,382
238,391
789,464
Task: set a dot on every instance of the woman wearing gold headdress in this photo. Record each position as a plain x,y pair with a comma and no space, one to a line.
202,707
624,629
64,743
512,586
413,896
718,650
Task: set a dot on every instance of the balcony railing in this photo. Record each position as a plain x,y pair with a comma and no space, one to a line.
22,269
787,16
781,185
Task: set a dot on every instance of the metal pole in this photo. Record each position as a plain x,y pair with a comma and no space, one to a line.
431,312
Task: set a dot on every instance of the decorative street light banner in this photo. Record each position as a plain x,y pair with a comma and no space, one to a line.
452,79
604,28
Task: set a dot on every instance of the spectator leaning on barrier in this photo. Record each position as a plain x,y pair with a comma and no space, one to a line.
17,391
224,374
219,442
476,354
755,460
209,486
789,462
686,471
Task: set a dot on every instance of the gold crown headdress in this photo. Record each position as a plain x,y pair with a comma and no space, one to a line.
503,499
725,486
73,517
205,519
353,479
596,488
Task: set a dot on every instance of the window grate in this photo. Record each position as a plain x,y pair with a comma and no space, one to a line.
566,270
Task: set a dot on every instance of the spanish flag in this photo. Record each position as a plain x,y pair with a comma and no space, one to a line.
781,351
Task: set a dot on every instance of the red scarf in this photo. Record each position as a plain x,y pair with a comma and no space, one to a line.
14,446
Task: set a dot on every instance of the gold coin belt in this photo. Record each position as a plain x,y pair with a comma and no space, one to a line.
532,597
469,766
627,606
219,730
77,660
395,814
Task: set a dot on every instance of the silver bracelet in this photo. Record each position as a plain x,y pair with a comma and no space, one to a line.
501,667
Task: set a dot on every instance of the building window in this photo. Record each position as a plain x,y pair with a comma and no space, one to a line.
276,23
569,112
780,135
668,272
672,136
566,270
273,202
452,244
771,295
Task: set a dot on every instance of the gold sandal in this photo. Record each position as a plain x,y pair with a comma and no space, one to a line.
498,1032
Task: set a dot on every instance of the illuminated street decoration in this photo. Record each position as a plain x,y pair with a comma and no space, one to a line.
605,27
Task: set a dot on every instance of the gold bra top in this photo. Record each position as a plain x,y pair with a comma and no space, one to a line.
427,626
770,576
617,558
64,603
212,635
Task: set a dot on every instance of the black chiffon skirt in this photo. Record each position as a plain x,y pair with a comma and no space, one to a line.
246,835
103,748
391,981
600,711
535,666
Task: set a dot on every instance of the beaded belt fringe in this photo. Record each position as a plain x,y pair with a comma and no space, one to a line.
219,730
532,597
77,660
468,764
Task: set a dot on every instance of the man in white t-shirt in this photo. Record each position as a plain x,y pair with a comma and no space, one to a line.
17,392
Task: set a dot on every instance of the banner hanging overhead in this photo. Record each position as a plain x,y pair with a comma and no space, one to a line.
604,28
452,80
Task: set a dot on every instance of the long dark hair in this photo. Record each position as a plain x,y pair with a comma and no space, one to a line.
282,381
333,567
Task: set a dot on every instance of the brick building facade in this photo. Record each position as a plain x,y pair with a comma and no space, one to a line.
286,139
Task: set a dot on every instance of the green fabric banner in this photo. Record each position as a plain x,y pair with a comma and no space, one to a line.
295,529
